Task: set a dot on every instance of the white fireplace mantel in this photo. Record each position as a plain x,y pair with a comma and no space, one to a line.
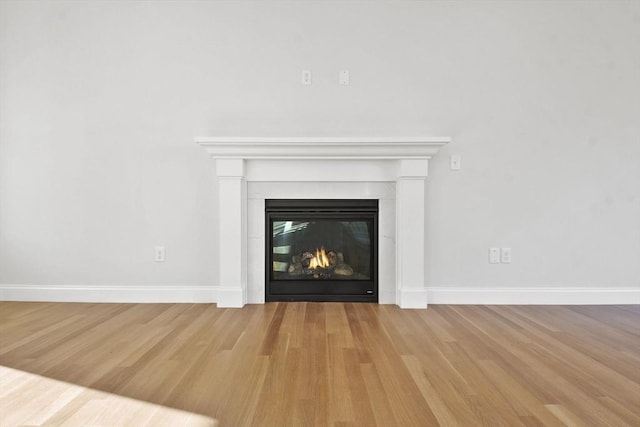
321,147
341,162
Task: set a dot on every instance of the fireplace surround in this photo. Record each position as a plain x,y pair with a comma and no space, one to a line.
252,170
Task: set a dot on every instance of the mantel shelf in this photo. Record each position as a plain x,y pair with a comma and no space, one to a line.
322,147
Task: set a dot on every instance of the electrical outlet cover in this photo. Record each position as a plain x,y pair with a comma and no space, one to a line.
494,255
306,77
505,255
160,254
455,162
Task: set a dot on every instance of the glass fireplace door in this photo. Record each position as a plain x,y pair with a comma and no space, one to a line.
321,250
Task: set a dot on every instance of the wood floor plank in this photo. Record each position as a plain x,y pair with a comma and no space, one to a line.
318,364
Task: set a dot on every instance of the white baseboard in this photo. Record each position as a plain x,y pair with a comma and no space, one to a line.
539,296
109,294
410,298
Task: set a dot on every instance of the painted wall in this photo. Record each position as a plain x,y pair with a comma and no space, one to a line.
100,102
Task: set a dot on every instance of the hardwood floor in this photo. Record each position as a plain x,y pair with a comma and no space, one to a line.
321,364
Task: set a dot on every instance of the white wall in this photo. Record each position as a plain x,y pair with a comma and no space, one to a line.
100,101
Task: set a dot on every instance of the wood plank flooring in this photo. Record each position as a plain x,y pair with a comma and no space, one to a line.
320,364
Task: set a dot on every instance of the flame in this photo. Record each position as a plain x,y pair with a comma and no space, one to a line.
320,260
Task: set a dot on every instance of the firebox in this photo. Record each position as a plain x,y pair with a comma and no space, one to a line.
321,250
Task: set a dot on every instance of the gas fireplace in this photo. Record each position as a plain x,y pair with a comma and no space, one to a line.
390,170
321,250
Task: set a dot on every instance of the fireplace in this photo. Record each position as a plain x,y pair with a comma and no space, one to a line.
321,250
251,170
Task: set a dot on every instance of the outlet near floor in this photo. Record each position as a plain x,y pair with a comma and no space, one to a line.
494,255
505,255
159,253
499,255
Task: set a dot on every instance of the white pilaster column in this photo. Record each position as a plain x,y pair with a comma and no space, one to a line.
232,263
410,233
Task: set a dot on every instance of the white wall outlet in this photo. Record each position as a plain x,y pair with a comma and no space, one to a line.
494,255
505,255
455,162
306,77
159,253
344,77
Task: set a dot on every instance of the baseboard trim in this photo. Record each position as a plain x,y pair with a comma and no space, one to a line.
109,294
533,296
409,298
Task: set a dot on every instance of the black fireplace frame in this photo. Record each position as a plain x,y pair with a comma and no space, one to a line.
321,290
